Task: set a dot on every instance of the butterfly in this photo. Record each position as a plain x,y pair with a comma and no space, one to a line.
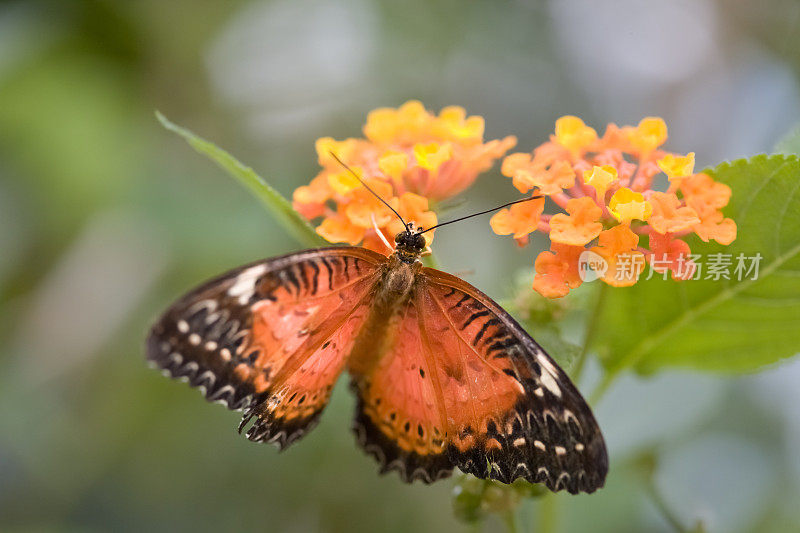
444,377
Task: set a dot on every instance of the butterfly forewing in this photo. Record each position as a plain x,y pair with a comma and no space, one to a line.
271,337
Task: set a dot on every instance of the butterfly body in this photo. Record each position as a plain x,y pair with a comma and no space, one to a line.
444,377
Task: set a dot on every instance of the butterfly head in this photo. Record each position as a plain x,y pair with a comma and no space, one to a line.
409,244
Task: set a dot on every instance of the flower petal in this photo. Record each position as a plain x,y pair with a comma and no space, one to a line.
600,178
518,220
668,216
557,270
626,205
573,134
580,226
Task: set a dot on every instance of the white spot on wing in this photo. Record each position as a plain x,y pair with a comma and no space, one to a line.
545,362
245,283
550,384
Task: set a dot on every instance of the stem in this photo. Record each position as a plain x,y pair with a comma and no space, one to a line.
663,508
601,389
591,330
548,514
510,520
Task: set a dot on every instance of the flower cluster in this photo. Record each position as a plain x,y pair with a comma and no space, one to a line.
410,157
605,185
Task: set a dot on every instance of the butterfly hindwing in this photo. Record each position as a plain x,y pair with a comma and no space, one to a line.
489,400
398,420
270,337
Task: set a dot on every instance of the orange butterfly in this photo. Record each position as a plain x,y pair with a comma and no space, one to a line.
444,376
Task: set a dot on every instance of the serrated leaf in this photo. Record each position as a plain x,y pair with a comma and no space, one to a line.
721,326
280,207
790,143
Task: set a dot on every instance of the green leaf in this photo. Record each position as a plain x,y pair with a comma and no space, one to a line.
280,207
561,350
790,143
720,326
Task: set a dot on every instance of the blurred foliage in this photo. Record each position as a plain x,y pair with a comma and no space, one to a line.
105,218
292,221
551,320
790,143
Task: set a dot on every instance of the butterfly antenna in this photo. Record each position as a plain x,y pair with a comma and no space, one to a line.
368,188
482,212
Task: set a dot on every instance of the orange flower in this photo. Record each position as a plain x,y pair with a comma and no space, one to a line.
551,176
557,271
414,210
406,151
707,198
365,210
605,185
580,226
668,216
715,226
703,193
618,247
669,253
518,220
338,228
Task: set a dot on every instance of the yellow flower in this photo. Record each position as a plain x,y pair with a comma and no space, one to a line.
600,178
405,124
648,135
431,156
393,164
343,149
454,124
677,166
573,134
627,205
344,182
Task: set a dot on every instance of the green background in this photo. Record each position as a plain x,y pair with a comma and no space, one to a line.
105,217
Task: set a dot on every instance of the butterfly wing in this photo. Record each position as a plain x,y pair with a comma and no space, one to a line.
462,384
270,337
